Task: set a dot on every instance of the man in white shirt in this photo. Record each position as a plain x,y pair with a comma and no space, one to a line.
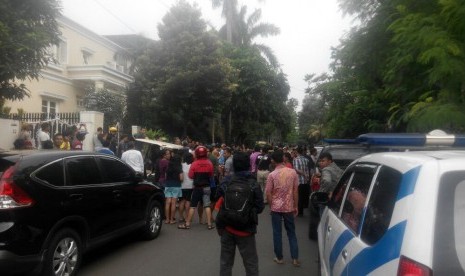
133,158
43,135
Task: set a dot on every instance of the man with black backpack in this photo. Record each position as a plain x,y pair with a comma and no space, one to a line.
242,201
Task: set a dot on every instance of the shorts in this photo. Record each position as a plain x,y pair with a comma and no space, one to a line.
186,194
173,192
201,194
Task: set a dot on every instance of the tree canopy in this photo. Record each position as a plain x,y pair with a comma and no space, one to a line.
401,69
27,29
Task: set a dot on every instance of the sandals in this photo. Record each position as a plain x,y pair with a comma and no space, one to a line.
278,261
184,226
210,227
173,222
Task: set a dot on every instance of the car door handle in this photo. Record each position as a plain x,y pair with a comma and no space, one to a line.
344,254
76,197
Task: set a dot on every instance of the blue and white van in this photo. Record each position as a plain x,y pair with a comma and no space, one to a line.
396,213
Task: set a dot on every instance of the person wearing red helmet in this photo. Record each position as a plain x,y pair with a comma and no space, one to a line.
201,171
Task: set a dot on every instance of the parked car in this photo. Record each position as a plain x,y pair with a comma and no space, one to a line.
55,205
395,213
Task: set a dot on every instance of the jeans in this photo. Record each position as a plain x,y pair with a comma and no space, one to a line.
247,248
289,225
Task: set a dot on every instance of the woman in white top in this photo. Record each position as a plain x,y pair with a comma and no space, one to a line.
186,187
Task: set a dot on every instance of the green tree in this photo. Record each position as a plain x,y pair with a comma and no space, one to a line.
27,29
258,105
111,104
183,80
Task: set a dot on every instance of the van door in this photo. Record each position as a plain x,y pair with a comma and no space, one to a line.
374,193
347,225
330,228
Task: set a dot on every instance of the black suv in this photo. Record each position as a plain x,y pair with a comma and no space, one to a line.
55,205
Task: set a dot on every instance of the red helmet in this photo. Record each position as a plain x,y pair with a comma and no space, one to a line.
200,152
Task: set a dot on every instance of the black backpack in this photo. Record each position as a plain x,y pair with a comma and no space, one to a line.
238,209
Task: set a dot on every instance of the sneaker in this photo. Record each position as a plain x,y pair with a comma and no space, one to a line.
295,263
278,261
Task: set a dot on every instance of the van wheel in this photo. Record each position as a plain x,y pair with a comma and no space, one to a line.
153,223
64,253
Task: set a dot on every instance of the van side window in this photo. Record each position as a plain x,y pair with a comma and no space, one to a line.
381,205
338,193
353,206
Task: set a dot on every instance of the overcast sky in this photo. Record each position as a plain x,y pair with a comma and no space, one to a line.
309,28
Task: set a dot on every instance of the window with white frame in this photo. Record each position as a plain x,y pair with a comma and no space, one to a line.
49,106
87,55
60,52
80,102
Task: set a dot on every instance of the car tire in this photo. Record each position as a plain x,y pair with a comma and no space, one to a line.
64,253
153,223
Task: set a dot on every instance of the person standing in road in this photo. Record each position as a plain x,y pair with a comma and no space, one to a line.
330,173
228,162
163,166
43,135
263,163
300,164
253,159
97,139
133,158
282,194
186,188
201,171
174,178
243,239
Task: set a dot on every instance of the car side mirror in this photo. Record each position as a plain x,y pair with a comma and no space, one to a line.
319,198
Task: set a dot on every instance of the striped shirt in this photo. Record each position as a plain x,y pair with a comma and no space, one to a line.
301,163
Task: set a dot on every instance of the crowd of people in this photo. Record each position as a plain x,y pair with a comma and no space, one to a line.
196,177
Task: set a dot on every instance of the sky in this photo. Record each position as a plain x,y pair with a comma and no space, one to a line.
309,28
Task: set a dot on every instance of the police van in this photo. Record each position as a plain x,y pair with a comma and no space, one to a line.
397,212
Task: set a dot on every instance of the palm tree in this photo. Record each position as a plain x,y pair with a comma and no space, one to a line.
229,9
246,29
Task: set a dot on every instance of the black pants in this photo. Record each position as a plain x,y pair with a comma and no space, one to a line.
248,249
304,194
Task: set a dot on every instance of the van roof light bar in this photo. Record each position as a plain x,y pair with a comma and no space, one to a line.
434,138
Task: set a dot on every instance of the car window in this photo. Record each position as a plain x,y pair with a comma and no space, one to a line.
52,174
82,170
381,205
115,171
339,192
449,252
354,202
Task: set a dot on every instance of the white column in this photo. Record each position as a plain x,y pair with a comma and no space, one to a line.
93,120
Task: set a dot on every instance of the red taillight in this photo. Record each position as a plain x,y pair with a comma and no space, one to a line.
408,267
12,196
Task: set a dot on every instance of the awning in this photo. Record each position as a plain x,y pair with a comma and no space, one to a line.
160,143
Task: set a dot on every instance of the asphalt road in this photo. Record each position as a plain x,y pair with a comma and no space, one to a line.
196,252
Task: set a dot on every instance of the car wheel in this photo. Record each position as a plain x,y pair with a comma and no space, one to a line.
153,222
63,253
